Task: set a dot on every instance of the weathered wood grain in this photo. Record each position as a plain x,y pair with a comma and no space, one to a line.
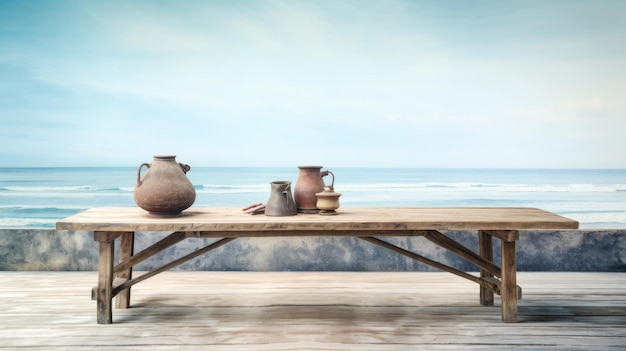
508,290
127,244
485,246
105,276
348,219
312,311
108,223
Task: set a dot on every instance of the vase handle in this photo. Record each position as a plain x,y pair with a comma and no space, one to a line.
184,167
332,183
139,172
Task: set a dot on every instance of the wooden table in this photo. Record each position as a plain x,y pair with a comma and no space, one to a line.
369,224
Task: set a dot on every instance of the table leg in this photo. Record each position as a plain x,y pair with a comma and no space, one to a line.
104,289
127,243
508,290
486,252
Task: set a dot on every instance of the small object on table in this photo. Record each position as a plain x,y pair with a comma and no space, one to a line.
257,208
328,199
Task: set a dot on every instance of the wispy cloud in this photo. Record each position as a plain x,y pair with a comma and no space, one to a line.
357,82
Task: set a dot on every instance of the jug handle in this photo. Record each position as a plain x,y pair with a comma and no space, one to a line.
184,167
332,183
286,193
290,202
139,172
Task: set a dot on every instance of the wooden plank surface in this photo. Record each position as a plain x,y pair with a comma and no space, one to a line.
348,219
312,311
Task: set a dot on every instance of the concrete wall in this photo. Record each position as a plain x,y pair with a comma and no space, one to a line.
583,250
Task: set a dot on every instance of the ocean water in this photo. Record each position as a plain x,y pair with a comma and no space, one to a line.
38,197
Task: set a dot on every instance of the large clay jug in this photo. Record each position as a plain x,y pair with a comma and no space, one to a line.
164,189
308,184
280,202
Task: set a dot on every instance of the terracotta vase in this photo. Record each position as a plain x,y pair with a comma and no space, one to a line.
164,189
308,184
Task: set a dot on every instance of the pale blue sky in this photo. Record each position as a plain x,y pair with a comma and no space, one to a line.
534,83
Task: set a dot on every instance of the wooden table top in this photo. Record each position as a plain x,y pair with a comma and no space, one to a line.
346,219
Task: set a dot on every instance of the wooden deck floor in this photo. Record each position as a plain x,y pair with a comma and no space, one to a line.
312,311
